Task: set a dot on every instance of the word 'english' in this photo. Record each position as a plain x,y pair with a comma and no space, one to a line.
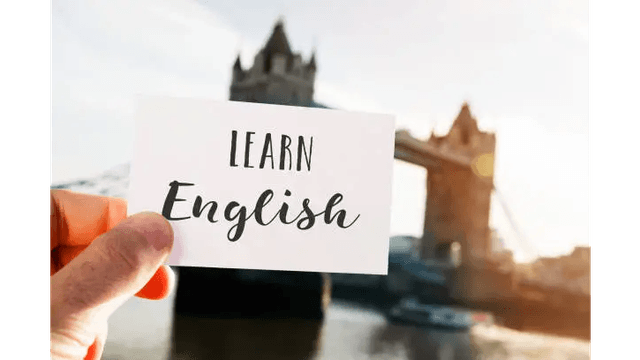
234,212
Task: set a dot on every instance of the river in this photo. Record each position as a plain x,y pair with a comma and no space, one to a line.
350,331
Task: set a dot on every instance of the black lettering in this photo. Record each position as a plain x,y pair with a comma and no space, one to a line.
284,146
238,215
267,151
198,209
246,149
263,200
310,217
341,214
171,199
242,219
232,157
284,209
303,149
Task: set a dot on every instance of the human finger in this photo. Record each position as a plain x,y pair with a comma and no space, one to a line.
116,265
157,288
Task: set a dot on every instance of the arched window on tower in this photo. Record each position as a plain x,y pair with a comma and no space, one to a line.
267,64
465,136
442,250
450,252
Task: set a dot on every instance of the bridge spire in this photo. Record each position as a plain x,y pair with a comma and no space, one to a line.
465,121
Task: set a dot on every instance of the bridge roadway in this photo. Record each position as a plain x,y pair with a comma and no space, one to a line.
418,152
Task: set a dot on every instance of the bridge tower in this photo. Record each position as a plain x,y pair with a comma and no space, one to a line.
459,197
457,211
277,76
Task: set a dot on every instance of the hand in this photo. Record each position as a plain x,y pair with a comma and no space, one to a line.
99,259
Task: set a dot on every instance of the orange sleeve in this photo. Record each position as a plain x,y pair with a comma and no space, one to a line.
77,219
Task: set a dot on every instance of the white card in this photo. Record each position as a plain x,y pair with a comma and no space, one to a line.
269,187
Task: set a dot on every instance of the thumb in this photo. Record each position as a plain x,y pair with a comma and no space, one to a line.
112,269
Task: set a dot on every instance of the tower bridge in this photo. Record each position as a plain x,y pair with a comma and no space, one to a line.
459,166
460,183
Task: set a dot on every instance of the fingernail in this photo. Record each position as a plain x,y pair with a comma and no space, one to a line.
154,227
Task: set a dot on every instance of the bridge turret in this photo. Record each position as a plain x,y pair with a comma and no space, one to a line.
278,75
458,199
458,205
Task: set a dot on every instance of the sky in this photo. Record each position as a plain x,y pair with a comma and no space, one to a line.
521,65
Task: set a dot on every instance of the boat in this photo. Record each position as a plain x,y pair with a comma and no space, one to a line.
409,310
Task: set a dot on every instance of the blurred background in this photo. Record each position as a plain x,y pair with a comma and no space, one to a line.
489,252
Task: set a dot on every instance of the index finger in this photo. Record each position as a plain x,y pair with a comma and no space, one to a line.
77,219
